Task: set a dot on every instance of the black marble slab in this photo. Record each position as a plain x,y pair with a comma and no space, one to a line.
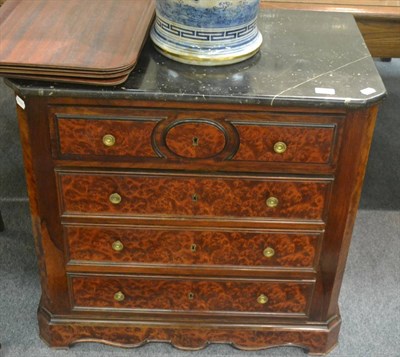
313,59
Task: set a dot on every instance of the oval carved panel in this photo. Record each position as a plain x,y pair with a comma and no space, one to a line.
193,139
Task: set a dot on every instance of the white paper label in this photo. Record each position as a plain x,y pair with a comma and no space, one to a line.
330,91
368,91
20,102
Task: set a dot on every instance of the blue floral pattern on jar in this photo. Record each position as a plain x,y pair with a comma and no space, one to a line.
198,14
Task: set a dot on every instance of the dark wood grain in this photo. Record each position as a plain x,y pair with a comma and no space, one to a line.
346,194
83,137
173,295
381,35
44,35
47,231
112,81
188,247
148,194
372,8
65,72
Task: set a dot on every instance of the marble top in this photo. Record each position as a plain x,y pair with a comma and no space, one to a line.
308,59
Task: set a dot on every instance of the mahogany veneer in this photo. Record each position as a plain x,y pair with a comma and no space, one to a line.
239,136
90,42
88,245
208,296
195,197
191,217
193,241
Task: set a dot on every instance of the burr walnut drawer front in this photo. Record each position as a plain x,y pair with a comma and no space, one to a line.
191,295
90,137
166,136
194,196
188,247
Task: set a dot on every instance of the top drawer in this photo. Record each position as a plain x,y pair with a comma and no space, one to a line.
169,138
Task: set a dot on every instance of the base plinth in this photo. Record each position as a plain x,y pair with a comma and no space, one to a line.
314,339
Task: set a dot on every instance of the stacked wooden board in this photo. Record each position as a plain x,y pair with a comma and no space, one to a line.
90,42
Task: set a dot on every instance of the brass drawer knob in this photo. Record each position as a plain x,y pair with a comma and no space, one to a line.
262,299
119,296
109,140
115,198
280,147
272,202
118,246
269,252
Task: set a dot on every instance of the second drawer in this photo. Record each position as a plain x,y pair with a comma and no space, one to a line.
193,196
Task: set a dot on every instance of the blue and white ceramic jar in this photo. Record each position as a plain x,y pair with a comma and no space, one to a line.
207,32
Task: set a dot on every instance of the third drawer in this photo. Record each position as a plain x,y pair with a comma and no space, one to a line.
149,246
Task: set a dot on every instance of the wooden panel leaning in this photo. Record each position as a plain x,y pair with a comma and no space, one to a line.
378,21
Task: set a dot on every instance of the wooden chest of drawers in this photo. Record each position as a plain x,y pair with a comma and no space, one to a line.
197,218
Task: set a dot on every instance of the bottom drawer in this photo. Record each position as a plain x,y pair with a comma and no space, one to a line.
191,295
